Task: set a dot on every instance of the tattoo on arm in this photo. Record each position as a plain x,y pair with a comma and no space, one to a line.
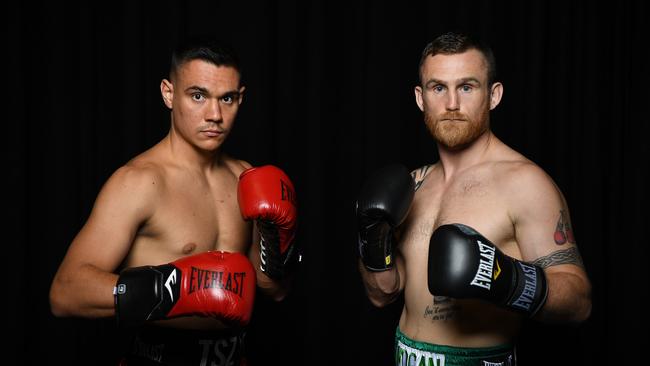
565,256
563,231
419,174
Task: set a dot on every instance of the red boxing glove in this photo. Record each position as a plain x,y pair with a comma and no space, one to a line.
213,284
267,195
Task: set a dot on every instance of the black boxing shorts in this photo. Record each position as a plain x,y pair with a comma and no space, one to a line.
154,345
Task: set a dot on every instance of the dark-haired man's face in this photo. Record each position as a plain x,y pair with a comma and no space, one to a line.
456,98
204,99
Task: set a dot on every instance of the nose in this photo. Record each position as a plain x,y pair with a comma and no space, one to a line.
213,113
453,102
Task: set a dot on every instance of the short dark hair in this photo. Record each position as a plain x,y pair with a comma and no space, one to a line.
204,48
455,42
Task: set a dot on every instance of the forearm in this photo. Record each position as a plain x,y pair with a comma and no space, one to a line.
275,289
568,300
85,292
382,287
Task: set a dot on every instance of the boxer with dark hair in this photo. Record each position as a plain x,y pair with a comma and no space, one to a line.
181,235
476,242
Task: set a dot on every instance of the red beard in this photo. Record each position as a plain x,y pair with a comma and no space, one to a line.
455,130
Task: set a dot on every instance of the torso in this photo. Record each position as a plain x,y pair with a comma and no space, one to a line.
472,197
193,213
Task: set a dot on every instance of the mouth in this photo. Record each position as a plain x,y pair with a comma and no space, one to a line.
213,133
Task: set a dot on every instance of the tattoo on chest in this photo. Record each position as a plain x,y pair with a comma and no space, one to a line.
566,256
563,232
419,174
442,309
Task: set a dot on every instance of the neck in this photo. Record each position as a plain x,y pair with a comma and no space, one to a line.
189,156
455,160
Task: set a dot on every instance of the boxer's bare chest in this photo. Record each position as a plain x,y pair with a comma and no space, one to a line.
194,214
473,198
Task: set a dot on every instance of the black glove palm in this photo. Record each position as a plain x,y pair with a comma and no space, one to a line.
383,204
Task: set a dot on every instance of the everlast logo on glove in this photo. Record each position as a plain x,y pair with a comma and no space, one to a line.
287,193
525,300
483,277
203,279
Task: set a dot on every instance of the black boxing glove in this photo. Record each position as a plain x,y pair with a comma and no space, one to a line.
382,205
464,264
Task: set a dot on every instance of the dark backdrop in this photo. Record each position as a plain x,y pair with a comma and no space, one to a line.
329,98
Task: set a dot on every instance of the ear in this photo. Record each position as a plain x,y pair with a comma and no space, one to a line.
495,95
167,91
241,94
418,97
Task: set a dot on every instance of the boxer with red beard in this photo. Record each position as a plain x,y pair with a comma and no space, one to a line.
477,241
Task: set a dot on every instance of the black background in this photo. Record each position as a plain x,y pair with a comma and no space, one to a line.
329,98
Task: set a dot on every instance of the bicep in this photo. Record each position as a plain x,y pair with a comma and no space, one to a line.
543,228
545,237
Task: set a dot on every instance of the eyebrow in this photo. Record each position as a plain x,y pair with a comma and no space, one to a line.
232,93
432,81
196,88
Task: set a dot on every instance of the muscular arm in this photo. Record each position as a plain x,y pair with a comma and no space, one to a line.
569,290
83,284
545,237
384,287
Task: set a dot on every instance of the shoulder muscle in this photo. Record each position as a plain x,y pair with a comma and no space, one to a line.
540,214
124,203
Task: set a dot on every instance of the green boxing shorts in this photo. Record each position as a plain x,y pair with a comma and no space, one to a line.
409,352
